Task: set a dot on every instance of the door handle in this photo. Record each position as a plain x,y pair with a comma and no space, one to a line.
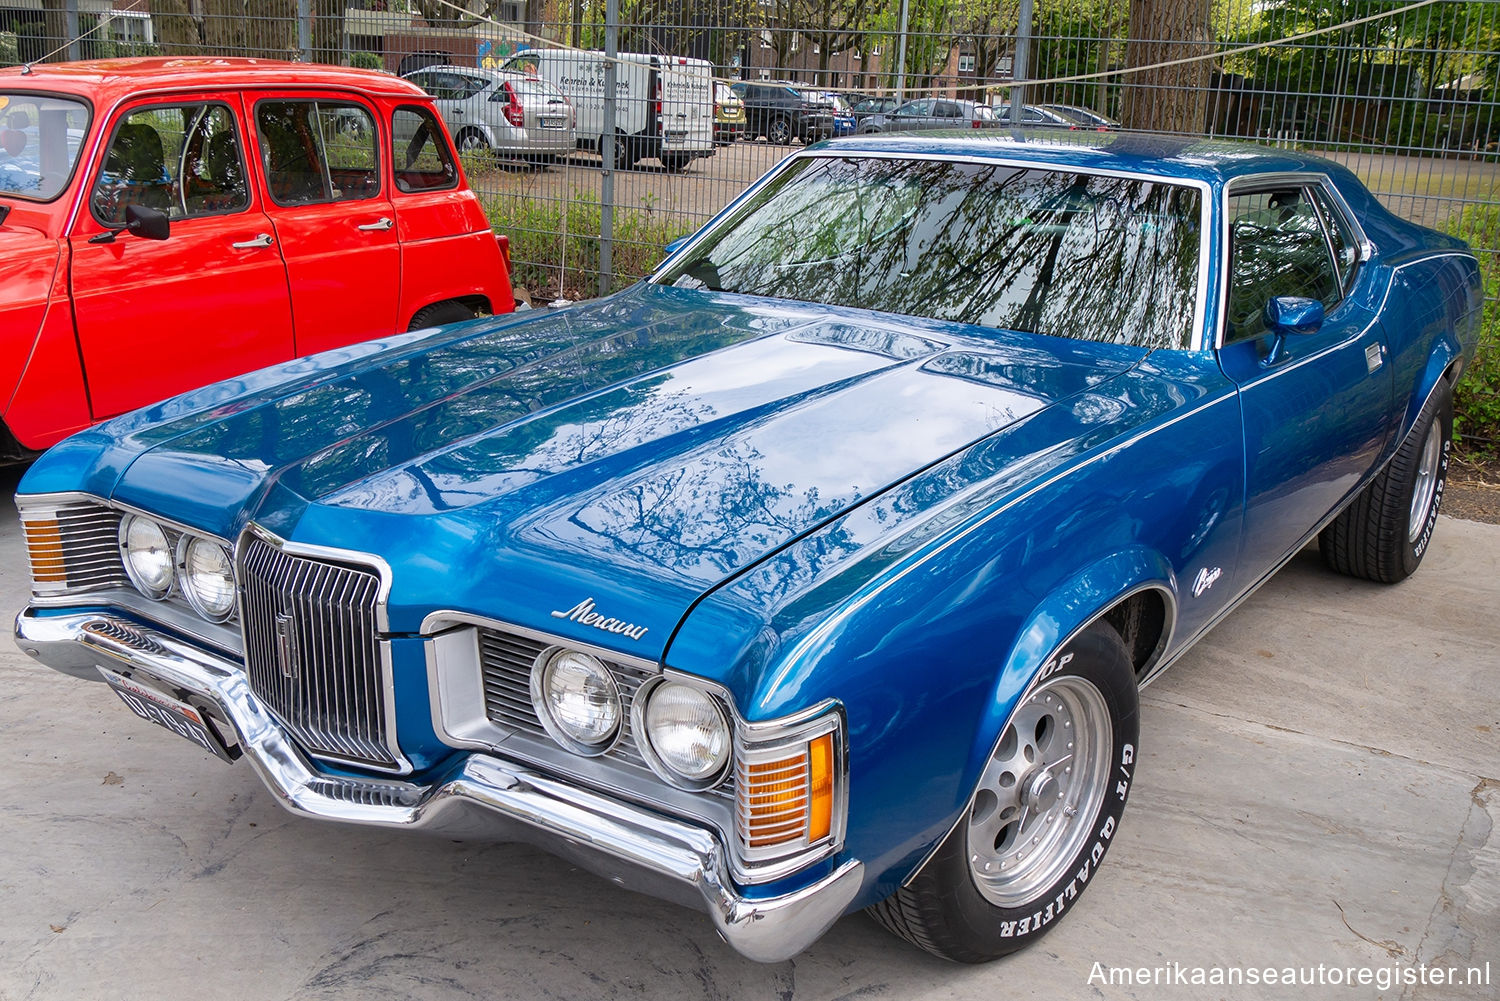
378,226
261,240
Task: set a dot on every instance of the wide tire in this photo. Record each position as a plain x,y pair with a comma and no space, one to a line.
1046,810
1385,531
440,313
779,131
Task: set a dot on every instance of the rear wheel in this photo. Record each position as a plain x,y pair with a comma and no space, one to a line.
472,141
1046,809
1385,531
440,313
779,131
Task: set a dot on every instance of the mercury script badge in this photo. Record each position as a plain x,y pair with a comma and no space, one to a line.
583,613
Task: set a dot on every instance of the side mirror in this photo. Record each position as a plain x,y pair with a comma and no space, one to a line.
147,223
676,245
1290,314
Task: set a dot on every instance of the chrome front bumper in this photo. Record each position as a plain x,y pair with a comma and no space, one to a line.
482,797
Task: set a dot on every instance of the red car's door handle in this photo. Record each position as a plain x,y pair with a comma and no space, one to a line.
378,226
261,240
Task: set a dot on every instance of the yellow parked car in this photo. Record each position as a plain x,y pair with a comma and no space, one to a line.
729,114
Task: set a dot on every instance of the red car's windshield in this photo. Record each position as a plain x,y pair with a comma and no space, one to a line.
40,139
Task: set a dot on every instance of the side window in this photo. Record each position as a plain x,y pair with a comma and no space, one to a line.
183,159
946,109
420,151
1340,237
469,85
317,151
1276,247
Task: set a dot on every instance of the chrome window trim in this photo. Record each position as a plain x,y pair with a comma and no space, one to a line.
1197,336
1248,184
382,571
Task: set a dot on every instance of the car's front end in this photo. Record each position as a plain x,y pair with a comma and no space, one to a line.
288,655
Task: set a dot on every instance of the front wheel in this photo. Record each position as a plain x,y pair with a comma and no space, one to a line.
1046,809
1385,531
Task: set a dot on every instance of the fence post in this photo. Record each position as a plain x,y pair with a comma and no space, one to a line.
607,141
70,28
901,54
304,30
1019,63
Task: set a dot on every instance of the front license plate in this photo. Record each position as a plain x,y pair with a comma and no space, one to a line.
552,123
163,710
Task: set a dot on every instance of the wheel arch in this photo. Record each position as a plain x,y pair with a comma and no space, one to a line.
1143,603
1134,592
478,302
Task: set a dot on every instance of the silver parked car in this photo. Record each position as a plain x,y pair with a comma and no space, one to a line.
931,113
512,114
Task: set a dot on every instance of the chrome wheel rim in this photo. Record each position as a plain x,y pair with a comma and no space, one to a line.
1425,488
1040,791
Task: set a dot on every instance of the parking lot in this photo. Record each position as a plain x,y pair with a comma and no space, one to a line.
1319,784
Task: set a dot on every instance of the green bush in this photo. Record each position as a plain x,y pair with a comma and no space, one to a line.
1476,402
366,61
554,244
10,55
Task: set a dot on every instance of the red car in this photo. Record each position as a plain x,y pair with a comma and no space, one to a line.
165,223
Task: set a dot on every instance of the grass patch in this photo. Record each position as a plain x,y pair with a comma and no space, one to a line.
555,243
1476,400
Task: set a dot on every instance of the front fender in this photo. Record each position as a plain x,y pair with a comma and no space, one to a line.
1074,604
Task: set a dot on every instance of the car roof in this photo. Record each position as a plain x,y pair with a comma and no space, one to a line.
1211,160
107,81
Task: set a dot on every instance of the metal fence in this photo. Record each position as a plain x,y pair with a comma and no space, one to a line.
1407,95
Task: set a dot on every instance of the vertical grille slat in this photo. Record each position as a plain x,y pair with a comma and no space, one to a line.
332,699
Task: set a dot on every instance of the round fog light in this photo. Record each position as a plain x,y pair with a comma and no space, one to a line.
576,698
687,734
148,555
205,575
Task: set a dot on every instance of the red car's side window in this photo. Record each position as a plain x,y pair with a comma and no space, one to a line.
420,151
318,151
183,159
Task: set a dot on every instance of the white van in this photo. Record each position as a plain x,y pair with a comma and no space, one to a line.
664,105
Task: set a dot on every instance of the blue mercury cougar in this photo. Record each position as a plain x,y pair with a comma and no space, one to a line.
820,570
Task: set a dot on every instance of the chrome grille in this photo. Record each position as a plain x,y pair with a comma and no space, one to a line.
312,651
506,661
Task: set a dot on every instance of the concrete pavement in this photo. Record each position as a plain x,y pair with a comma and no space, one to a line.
1319,785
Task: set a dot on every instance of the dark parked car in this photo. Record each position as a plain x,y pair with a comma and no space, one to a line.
1083,117
781,112
873,106
820,570
932,113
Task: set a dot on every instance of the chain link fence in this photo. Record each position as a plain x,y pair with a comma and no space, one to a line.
1407,95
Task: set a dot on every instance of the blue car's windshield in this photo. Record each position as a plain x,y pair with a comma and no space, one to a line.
40,137
1100,258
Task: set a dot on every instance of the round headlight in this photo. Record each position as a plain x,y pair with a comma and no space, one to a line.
576,698
687,733
148,555
205,576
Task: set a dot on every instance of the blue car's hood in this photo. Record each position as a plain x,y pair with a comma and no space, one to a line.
632,452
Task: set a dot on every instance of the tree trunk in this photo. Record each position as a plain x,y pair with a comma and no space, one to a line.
56,27
1172,98
177,28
